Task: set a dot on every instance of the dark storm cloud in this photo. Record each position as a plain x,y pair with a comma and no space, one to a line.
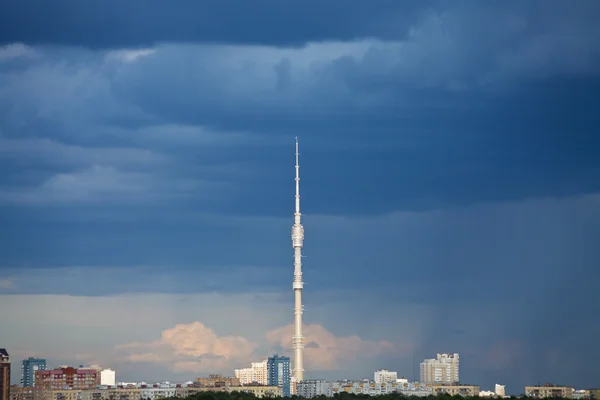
155,145
133,23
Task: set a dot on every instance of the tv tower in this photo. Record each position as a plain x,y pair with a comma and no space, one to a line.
297,242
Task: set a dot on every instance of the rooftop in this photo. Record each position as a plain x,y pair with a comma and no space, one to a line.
4,353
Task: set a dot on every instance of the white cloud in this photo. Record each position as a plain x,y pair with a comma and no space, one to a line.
191,347
6,284
15,50
325,351
129,55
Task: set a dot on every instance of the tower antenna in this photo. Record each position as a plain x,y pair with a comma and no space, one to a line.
297,243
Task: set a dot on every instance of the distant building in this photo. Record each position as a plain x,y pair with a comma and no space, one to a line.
549,391
107,377
453,390
500,390
21,393
257,373
65,378
313,388
4,375
218,381
594,394
258,390
442,370
581,394
278,368
28,368
383,376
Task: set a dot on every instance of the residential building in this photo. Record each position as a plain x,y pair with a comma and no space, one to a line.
370,388
581,394
594,394
257,373
107,377
313,388
217,381
500,390
21,393
278,369
383,376
549,390
47,382
442,370
453,390
258,390
28,368
4,375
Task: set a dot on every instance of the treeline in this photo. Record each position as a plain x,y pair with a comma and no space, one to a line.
337,396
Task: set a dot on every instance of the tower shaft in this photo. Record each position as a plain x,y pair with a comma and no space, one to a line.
297,243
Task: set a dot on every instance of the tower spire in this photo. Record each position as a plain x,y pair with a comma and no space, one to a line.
297,243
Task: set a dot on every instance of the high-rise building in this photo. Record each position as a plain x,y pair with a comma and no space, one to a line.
28,368
278,368
257,374
4,375
500,390
298,243
64,378
107,377
442,370
383,376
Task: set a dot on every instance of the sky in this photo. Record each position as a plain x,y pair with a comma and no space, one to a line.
450,181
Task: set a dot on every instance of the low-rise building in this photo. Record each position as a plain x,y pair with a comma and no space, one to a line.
453,390
21,393
594,394
218,381
313,388
549,390
258,390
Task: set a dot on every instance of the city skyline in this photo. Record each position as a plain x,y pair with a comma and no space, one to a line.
451,186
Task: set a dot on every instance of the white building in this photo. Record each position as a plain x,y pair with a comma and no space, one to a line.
257,373
313,388
107,377
442,370
384,376
500,390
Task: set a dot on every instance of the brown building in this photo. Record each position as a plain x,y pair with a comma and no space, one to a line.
217,381
4,375
21,393
550,391
62,379
594,394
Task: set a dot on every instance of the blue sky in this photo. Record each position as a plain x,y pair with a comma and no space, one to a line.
450,164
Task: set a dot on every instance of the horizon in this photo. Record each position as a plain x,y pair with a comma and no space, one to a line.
450,156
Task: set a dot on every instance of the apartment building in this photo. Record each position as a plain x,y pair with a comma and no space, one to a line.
383,376
216,380
4,375
258,390
257,373
549,391
442,370
50,384
313,388
28,369
453,390
21,393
